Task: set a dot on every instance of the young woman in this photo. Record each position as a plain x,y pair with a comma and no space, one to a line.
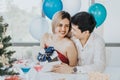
65,48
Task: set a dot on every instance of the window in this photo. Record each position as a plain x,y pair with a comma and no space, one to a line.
19,14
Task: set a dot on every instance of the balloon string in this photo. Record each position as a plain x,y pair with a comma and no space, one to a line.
92,1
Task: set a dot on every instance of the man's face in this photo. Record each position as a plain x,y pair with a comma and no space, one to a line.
76,32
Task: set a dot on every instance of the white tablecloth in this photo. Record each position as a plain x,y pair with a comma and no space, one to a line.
57,76
114,73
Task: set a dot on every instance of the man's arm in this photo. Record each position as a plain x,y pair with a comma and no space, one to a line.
63,68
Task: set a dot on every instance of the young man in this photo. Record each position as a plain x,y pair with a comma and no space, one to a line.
90,46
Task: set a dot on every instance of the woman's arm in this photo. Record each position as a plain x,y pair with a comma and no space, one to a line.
72,54
43,40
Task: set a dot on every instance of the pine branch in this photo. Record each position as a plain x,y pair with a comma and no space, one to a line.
6,39
1,29
5,54
2,51
7,72
1,65
9,54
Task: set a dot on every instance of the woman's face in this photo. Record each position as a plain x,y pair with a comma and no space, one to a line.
62,27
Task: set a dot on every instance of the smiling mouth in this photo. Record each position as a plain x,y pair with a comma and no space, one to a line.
63,32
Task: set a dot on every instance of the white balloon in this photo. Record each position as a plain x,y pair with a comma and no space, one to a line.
71,6
38,27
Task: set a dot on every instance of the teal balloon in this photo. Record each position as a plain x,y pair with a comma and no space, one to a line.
50,7
99,12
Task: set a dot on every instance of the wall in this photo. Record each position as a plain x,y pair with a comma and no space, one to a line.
112,24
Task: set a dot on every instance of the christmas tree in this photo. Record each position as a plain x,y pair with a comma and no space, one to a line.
5,54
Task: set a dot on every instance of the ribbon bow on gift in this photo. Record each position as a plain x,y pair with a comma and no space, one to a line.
47,56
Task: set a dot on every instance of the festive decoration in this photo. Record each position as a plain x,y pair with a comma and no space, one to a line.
5,56
14,77
73,8
50,7
38,27
1,45
99,12
4,60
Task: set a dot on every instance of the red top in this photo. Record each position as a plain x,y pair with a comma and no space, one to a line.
63,58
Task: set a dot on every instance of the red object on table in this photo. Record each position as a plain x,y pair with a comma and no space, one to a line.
14,77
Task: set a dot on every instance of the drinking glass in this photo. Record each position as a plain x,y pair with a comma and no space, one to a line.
38,67
25,68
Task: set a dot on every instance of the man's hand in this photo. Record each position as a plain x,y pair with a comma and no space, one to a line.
62,68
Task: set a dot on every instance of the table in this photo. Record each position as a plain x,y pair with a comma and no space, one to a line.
57,76
114,73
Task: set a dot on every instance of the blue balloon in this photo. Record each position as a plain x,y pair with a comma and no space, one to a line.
50,7
99,12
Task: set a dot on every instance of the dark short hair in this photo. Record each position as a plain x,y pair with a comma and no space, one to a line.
84,20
